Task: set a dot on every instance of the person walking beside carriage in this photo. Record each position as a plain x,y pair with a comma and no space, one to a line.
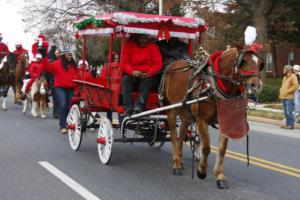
142,61
287,94
64,70
4,51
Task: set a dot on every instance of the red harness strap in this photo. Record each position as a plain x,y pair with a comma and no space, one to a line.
214,62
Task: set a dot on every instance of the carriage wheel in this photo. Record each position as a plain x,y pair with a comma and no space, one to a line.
105,140
74,127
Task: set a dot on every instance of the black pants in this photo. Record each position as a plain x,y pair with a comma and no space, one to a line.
144,87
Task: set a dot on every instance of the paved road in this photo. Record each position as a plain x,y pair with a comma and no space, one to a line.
138,171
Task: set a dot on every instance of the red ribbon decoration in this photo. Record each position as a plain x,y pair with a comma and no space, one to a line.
254,47
164,31
77,36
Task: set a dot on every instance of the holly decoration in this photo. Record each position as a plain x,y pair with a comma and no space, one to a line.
88,22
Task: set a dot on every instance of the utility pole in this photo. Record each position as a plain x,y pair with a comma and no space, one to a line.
161,7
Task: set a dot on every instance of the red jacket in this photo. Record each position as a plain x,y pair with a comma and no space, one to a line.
147,59
62,78
3,50
35,48
35,69
20,52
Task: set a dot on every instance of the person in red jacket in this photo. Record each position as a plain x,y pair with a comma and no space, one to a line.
19,52
142,61
64,70
35,70
40,46
4,51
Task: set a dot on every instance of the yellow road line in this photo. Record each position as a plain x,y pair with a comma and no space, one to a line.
252,159
262,165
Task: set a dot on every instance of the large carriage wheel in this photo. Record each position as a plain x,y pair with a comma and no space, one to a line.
74,127
105,140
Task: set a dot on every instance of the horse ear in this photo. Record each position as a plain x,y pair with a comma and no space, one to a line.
239,46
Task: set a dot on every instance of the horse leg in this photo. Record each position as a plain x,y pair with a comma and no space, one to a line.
205,148
25,106
43,107
15,94
173,135
4,107
34,107
219,168
183,130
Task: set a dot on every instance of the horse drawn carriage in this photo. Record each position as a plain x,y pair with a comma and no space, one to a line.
102,93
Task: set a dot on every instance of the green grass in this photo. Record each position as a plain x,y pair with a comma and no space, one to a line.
266,114
274,106
273,82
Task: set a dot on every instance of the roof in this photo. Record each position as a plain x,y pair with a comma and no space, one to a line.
150,24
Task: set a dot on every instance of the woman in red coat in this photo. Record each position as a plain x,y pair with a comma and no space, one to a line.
142,61
64,71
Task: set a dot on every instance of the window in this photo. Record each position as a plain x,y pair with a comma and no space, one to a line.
269,64
291,58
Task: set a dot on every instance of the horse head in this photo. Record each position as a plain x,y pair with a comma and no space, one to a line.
243,67
11,63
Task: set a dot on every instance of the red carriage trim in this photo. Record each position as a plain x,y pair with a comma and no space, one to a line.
163,26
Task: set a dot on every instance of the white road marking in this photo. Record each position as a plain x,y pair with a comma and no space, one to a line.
68,181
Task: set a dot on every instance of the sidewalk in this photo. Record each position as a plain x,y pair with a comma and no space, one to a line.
261,107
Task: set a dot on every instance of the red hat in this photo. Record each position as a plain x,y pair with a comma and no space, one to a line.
42,37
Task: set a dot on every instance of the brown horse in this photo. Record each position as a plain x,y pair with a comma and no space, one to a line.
20,75
236,69
7,76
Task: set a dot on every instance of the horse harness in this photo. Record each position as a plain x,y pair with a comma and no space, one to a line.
206,79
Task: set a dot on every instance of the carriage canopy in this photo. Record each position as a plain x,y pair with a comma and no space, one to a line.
163,27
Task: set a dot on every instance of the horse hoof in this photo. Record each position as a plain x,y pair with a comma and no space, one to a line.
177,172
222,184
4,109
201,175
182,166
43,116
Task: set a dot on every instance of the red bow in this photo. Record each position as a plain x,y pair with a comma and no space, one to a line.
164,32
77,36
255,46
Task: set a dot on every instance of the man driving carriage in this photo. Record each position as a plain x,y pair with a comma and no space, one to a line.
4,51
142,61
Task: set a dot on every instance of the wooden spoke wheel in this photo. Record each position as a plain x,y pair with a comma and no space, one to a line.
74,127
105,140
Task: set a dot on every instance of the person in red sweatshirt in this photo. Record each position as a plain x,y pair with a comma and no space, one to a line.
4,51
35,70
19,52
142,61
40,46
64,70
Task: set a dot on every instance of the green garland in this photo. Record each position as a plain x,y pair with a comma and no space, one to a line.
86,22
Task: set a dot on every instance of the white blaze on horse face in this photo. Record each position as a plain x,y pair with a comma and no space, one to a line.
255,58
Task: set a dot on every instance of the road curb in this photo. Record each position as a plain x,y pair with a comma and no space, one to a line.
268,121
